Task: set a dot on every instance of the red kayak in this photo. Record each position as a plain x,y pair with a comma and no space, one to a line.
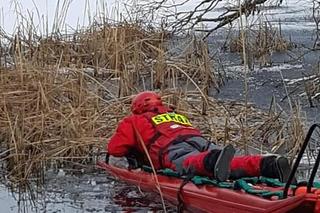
213,198
207,198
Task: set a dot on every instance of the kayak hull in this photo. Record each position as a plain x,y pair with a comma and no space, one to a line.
206,198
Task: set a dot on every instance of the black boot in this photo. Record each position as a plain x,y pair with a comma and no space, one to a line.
218,161
276,167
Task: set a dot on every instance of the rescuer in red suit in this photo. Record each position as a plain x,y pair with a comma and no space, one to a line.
172,142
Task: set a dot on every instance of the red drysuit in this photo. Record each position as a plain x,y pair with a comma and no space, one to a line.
164,129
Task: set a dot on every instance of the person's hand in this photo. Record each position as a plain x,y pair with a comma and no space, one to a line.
107,158
133,162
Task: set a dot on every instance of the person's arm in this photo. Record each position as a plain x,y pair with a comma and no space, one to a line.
123,140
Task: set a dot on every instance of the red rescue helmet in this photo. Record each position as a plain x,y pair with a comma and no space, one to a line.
145,101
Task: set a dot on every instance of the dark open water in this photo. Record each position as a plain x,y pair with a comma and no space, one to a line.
94,192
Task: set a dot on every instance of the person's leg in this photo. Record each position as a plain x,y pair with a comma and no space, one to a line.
214,163
218,162
194,164
187,156
276,167
258,165
245,166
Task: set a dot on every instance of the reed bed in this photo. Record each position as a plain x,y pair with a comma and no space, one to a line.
312,88
45,115
307,87
261,41
62,96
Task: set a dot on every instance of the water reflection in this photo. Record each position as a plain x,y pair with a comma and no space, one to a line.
78,194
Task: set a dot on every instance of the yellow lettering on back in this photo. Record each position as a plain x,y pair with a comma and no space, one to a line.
171,117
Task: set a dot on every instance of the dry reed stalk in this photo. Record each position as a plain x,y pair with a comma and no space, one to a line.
245,62
143,145
295,133
312,89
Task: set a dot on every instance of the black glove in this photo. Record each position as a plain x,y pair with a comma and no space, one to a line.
133,163
107,158
135,159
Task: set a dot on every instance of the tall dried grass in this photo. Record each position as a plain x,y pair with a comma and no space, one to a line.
62,96
46,115
312,87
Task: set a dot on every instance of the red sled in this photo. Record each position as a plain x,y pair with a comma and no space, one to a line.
208,198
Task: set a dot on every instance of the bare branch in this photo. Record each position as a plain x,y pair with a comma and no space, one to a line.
186,19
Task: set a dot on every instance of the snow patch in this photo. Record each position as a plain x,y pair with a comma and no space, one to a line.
277,68
293,81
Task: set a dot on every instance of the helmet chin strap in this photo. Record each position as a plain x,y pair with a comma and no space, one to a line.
154,109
